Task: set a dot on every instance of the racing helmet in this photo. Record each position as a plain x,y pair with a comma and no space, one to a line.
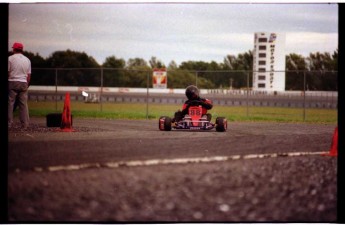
192,92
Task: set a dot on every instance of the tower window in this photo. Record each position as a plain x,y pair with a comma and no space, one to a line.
262,77
262,39
262,69
262,47
261,85
262,62
262,55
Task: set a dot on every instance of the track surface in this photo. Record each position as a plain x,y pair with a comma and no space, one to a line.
119,170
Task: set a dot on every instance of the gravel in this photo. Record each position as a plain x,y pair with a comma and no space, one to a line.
39,128
285,189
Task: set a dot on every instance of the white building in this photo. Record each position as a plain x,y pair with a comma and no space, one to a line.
269,62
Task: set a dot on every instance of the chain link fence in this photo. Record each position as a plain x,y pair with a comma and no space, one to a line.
303,89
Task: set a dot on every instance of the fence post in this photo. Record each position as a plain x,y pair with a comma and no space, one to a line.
247,94
332,100
304,105
147,94
100,97
56,84
196,78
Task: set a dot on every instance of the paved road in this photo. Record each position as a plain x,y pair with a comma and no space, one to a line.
118,170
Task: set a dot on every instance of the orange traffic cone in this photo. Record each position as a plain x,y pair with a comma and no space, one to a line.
66,121
334,146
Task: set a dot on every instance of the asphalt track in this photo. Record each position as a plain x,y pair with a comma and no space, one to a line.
124,170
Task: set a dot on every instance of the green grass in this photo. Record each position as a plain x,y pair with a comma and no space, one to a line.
138,111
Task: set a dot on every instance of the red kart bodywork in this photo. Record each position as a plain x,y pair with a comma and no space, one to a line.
195,113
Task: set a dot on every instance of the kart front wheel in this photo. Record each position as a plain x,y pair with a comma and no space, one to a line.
164,123
221,124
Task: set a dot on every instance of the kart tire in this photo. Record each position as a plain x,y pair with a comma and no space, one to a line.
221,124
54,119
166,126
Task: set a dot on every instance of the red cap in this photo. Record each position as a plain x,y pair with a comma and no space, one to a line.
18,45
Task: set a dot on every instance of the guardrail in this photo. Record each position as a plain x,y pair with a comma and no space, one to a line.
230,88
295,99
36,88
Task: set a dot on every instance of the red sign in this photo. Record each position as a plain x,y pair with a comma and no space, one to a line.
160,78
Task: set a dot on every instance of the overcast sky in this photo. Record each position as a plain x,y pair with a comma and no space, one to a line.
178,32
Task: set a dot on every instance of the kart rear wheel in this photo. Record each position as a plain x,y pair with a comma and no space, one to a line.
221,124
164,123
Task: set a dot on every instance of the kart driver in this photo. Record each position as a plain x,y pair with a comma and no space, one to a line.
192,93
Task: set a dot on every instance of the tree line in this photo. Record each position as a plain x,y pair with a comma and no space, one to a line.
320,71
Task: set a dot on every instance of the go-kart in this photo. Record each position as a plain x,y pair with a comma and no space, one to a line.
194,120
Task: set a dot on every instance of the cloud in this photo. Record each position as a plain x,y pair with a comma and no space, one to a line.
306,42
177,32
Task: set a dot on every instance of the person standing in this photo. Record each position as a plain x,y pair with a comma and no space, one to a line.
19,75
